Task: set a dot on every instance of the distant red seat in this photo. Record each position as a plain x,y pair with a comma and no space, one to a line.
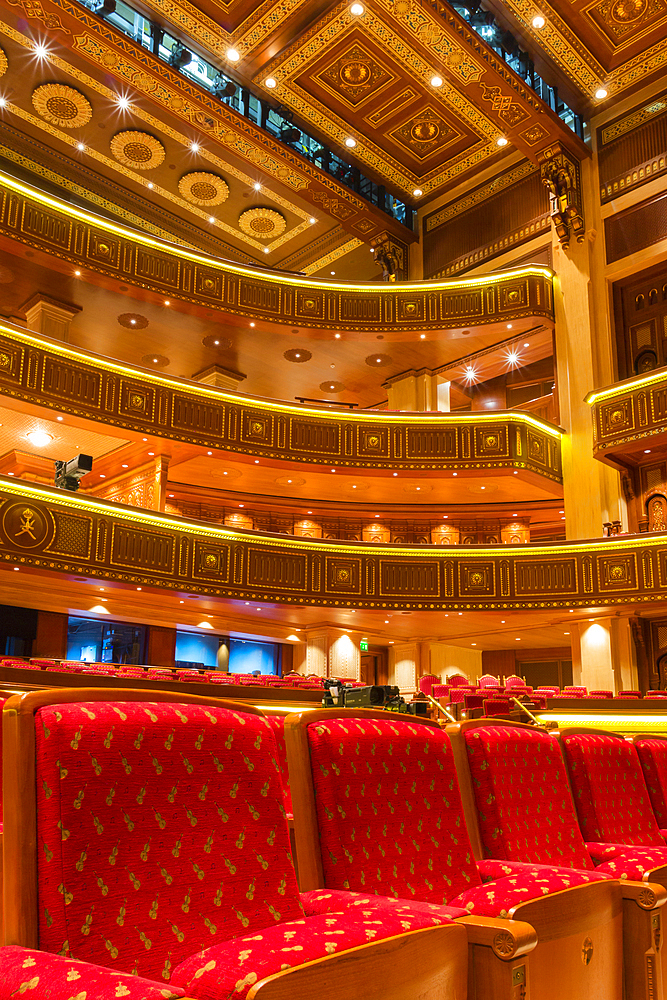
574,692
600,694
629,694
498,706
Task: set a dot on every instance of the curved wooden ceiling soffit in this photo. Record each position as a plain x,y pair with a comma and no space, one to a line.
56,531
47,373
77,237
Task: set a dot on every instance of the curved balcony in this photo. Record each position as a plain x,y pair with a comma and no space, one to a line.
629,415
52,375
107,251
56,532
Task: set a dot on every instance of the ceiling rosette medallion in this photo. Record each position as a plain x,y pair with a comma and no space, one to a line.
138,150
61,105
262,223
203,188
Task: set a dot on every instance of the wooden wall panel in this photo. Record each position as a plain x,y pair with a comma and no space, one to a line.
486,222
173,554
632,149
635,229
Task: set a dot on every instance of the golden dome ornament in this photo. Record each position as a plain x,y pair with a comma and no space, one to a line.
62,105
203,188
138,150
262,223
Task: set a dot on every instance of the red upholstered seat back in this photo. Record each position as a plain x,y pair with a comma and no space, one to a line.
610,793
652,755
523,799
277,723
160,832
389,809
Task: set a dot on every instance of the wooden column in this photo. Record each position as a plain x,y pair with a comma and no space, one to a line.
49,316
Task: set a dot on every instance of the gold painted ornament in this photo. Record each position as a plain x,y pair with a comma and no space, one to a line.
4,64
138,150
262,223
61,105
203,188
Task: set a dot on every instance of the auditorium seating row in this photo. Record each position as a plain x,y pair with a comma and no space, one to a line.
495,697
155,835
139,672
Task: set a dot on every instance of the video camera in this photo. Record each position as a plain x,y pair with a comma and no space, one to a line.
338,694
69,473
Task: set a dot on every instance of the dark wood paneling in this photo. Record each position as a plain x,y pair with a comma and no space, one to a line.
51,639
632,149
95,244
231,564
635,229
161,646
118,395
482,225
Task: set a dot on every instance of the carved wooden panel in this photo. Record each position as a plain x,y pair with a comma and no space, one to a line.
192,277
632,149
61,532
70,381
627,413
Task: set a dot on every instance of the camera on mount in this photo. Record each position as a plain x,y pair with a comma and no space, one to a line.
338,694
222,87
69,473
180,56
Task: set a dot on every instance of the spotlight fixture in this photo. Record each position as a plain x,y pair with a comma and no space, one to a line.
41,51
356,9
312,221
290,134
194,147
501,141
538,21
270,83
3,102
150,185
179,56
80,146
350,142
233,55
39,439
266,250
223,88
211,218
417,192
257,186
122,102
436,81
106,7
600,94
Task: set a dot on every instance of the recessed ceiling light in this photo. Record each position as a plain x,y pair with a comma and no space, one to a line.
266,249
270,83
16,569
417,192
211,218
150,185
80,146
600,94
124,466
501,141
138,588
209,452
350,142
151,454
39,439
57,418
3,102
422,336
396,473
333,272
356,9
256,461
647,451
167,302
509,326
538,21
337,336
436,81
233,55
77,274
312,221
526,344
41,51
122,102
194,147
102,476
252,324
257,186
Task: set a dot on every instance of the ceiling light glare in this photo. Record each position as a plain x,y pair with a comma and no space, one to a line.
194,147
150,185
41,51
312,221
538,21
270,83
350,142
80,146
211,218
39,439
266,250
417,192
257,186
436,81
3,102
233,55
501,141
600,94
512,358
123,103
356,9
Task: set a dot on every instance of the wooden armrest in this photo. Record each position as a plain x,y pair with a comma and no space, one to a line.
507,938
647,895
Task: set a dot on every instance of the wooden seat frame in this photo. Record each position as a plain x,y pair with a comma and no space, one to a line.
552,928
644,958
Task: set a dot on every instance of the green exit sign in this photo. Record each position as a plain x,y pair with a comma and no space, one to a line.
363,645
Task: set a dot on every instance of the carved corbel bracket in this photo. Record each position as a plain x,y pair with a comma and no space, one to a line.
561,175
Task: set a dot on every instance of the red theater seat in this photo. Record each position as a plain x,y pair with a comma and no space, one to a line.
600,694
629,694
158,848
377,810
652,753
489,681
426,683
498,706
610,793
523,812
